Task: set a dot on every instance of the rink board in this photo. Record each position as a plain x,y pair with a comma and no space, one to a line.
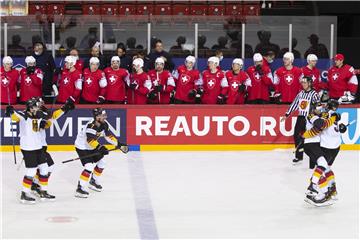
186,127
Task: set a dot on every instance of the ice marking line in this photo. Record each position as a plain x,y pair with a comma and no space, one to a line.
144,211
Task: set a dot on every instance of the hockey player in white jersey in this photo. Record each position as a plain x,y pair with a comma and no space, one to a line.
91,152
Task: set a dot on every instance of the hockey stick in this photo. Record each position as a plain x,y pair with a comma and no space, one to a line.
157,83
351,123
90,155
12,130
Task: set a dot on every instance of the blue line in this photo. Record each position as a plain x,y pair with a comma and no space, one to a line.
144,210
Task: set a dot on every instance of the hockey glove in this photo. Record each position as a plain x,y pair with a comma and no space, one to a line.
103,150
9,111
42,124
241,88
159,88
318,124
30,70
342,128
192,94
123,147
69,105
152,95
337,116
221,99
134,85
100,100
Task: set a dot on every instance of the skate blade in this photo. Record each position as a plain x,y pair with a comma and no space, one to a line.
297,163
334,198
79,195
95,189
27,202
47,199
327,203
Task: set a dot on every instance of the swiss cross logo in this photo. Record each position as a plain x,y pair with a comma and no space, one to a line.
66,80
211,83
184,79
234,86
27,81
289,78
335,76
112,80
88,81
303,104
257,76
5,82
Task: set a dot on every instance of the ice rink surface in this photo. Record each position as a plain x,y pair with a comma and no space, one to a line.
152,195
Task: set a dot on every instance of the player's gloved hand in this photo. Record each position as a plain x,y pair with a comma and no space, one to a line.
241,88
318,124
30,70
123,147
258,69
103,150
43,115
42,124
159,88
337,116
152,95
342,128
134,85
9,110
221,99
192,94
100,100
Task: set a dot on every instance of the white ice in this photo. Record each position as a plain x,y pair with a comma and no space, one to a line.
185,195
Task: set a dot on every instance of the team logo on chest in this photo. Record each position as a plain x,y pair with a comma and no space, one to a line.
211,83
335,76
88,81
66,81
303,104
235,86
112,80
184,79
5,82
289,78
27,81
257,77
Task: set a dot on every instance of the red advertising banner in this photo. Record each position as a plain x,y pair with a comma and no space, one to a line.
191,124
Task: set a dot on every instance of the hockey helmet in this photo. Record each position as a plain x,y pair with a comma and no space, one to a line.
332,104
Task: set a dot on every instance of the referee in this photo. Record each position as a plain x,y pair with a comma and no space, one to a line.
302,103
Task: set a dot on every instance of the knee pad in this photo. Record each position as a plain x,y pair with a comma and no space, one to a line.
30,172
101,163
321,162
89,167
43,169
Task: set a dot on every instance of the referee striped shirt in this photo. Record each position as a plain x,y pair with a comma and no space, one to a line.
303,101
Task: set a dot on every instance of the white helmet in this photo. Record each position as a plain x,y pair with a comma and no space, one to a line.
115,59
160,60
138,62
238,61
215,60
70,59
311,57
30,59
257,57
94,60
289,55
190,59
8,60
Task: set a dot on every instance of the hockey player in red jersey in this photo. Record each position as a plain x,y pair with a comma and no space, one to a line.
261,79
163,83
9,79
187,81
140,84
79,65
70,84
313,72
287,80
214,84
94,83
342,81
31,79
238,81
117,81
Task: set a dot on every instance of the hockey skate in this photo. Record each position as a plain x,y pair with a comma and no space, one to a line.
94,186
26,199
333,193
296,161
319,200
80,193
312,190
35,189
45,196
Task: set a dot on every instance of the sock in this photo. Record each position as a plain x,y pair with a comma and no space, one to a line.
323,184
43,180
97,173
330,177
36,178
27,182
318,172
84,178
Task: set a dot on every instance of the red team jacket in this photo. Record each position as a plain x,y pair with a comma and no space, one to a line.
315,75
214,84
234,81
79,65
341,80
9,82
30,85
259,89
94,84
185,82
116,84
70,84
166,80
287,82
139,95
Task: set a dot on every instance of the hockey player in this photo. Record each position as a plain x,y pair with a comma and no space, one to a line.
94,83
238,81
45,124
317,192
31,148
342,81
163,83
140,84
302,103
31,79
261,79
214,83
117,80
287,80
92,152
70,84
9,79
312,71
187,82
